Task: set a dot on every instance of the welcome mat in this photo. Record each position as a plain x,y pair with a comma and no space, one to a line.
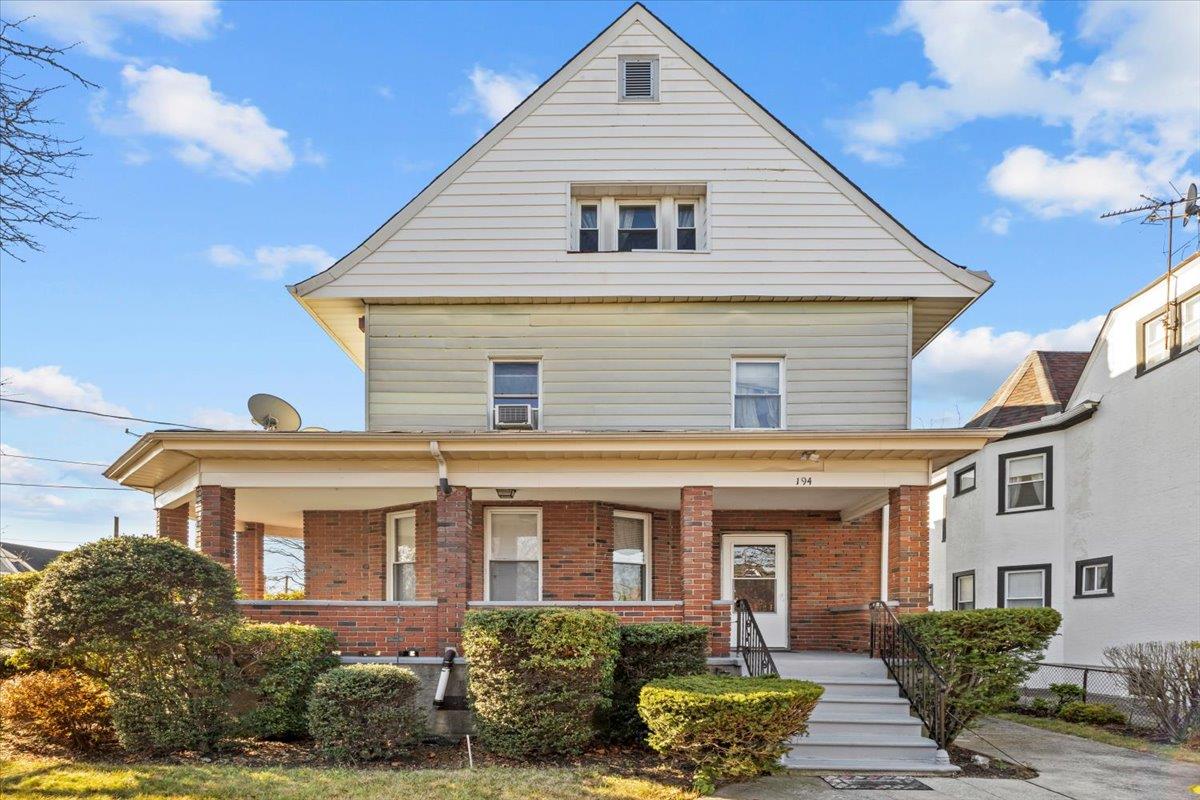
893,782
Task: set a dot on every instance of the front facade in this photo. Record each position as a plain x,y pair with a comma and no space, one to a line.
1091,506
640,348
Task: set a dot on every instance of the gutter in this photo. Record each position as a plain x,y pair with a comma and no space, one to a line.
1054,422
443,476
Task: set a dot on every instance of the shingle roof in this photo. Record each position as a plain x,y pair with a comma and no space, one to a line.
35,557
1040,385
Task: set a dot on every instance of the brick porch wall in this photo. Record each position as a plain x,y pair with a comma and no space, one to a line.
360,629
345,558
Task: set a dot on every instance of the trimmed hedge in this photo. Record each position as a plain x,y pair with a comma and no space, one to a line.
539,677
276,666
1092,714
61,708
728,728
364,712
647,652
984,654
15,589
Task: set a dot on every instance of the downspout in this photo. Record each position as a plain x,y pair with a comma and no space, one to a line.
443,479
885,530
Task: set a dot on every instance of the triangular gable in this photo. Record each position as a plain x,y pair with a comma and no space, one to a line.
1040,385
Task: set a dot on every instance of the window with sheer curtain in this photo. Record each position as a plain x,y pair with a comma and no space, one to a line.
402,556
637,228
1025,482
1024,588
514,554
631,557
964,591
758,393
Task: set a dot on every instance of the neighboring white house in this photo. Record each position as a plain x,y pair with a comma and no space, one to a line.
1091,502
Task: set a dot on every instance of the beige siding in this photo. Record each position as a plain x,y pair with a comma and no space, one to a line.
638,366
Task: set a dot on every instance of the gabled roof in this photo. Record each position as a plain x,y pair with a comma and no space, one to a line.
27,558
1042,384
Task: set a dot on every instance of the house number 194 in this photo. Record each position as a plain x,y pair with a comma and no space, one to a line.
804,480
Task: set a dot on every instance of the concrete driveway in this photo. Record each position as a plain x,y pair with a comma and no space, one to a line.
1070,767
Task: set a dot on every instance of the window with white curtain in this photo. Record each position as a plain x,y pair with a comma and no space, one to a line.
402,555
631,556
1156,347
637,228
513,550
1025,481
589,228
964,591
758,393
1024,587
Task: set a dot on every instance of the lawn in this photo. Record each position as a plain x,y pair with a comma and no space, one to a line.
26,778
1105,736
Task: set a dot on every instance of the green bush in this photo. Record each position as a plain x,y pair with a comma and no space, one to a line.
984,654
1092,714
727,728
276,666
1065,693
14,592
1040,707
59,708
364,712
645,653
539,677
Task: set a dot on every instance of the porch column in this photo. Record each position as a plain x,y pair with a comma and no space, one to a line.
450,564
172,523
250,560
908,547
696,546
215,522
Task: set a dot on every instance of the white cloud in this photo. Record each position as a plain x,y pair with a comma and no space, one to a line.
310,155
99,24
1132,112
20,470
48,384
998,221
209,131
385,92
271,262
494,94
221,420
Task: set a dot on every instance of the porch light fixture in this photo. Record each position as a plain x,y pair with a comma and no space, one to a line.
506,494
809,455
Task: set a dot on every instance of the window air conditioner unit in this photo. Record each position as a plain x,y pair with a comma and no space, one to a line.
515,416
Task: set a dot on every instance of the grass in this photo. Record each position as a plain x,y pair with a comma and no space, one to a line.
1105,736
28,778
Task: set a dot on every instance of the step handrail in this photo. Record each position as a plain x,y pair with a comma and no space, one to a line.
750,642
909,664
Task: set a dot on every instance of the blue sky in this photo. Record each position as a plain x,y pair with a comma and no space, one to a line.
238,147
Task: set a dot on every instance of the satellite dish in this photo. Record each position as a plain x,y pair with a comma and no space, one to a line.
273,413
1190,208
314,429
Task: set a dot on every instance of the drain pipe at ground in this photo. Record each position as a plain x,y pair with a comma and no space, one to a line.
439,696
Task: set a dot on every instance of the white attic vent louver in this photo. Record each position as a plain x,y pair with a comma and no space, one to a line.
639,78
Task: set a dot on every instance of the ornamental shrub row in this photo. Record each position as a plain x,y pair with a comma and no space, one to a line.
276,666
647,652
364,712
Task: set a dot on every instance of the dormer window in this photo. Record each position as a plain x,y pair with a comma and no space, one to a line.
589,228
638,228
637,78
633,218
1155,346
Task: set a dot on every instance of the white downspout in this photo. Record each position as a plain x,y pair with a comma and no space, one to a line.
885,530
443,478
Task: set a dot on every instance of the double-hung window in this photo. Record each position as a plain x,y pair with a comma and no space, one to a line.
513,547
1189,321
631,556
589,228
685,226
1025,481
637,228
1094,577
964,590
964,480
1023,587
1156,346
758,393
516,394
402,555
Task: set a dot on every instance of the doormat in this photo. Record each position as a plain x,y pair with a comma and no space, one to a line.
893,782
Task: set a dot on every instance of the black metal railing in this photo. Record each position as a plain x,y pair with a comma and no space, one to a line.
908,663
750,642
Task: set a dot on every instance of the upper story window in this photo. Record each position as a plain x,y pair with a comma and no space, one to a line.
1023,587
1159,341
589,228
964,480
1025,480
1093,577
632,218
402,555
516,394
685,226
631,556
758,393
1155,346
637,78
1189,321
964,590
637,228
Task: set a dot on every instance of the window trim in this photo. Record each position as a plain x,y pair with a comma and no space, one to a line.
960,472
654,72
695,229
1002,582
1185,347
1083,564
955,603
647,545
577,225
491,392
488,514
653,202
390,544
1002,461
733,362
1175,345
666,217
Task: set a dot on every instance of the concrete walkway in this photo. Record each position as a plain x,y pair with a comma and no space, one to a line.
1070,767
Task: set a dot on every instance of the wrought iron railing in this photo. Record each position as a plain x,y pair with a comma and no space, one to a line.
907,662
750,642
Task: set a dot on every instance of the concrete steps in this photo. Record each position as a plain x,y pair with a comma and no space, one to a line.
861,724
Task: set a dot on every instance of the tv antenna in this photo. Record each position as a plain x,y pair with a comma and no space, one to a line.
273,413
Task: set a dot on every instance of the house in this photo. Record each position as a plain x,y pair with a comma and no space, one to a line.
640,348
25,558
1090,502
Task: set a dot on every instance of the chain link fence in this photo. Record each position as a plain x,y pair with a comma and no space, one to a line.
1098,684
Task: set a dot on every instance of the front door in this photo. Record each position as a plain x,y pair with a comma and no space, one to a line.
754,568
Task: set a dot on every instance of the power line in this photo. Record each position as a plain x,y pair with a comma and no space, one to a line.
70,486
55,460
102,414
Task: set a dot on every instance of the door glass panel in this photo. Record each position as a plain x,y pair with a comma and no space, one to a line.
754,576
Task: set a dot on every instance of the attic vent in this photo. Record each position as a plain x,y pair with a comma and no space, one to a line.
639,78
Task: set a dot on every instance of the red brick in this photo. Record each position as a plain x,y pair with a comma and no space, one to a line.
172,523
250,560
215,515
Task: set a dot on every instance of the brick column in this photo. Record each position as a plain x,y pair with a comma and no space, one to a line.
172,523
908,547
696,548
215,522
250,560
450,564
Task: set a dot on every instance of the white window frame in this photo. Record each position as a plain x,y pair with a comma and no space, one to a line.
1042,597
389,521
488,515
1008,459
491,394
577,224
608,219
957,602
1184,342
647,540
1165,354
659,221
654,70
733,363
1094,569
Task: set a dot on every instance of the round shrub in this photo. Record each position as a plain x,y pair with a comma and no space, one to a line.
60,708
539,677
645,653
728,728
364,712
1092,714
276,666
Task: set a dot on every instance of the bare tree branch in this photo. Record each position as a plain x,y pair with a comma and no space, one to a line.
290,553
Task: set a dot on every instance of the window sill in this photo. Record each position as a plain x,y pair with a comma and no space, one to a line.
1023,511
569,603
965,491
1090,596
1144,370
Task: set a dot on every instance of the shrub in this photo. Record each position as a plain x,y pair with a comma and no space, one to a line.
276,666
61,708
645,653
539,677
1065,693
1040,707
1165,676
363,712
179,707
727,728
984,654
14,592
1091,713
